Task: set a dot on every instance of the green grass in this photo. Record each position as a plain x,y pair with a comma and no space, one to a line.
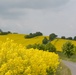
62,56
63,70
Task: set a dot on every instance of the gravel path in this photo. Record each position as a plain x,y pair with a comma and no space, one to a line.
71,66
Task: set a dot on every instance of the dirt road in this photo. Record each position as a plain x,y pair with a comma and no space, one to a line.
71,66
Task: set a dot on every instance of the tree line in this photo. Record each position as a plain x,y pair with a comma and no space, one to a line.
7,32
4,33
31,35
68,38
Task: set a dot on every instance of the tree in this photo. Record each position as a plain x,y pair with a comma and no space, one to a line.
9,32
75,38
69,38
1,31
50,47
68,49
63,37
38,34
45,40
52,36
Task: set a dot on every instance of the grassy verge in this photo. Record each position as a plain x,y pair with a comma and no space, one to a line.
62,56
63,70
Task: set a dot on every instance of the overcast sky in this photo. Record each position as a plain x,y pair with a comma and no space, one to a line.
46,16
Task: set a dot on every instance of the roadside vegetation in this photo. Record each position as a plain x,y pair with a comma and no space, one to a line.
62,56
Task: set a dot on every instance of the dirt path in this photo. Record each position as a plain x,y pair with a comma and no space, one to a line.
71,65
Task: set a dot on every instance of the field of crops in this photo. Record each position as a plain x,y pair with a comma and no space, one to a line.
58,43
15,59
19,38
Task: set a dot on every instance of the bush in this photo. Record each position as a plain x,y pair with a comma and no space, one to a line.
36,46
68,49
49,47
45,40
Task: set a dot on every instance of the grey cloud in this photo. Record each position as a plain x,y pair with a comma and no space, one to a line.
6,5
38,15
38,4
11,15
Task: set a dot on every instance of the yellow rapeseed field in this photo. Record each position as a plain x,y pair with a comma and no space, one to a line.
15,59
19,38
58,43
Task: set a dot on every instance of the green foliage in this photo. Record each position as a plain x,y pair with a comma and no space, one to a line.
1,31
63,37
4,33
52,36
69,38
31,35
75,38
49,47
75,50
38,46
68,49
45,40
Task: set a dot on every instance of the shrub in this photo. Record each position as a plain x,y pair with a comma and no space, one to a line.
49,47
45,40
68,49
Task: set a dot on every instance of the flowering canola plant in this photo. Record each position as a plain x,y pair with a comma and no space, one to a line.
15,59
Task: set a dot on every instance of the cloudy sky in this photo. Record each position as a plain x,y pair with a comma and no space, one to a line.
46,16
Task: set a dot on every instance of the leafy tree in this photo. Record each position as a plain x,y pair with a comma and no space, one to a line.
52,36
45,40
9,32
63,37
50,47
69,38
68,49
75,38
1,31
38,34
